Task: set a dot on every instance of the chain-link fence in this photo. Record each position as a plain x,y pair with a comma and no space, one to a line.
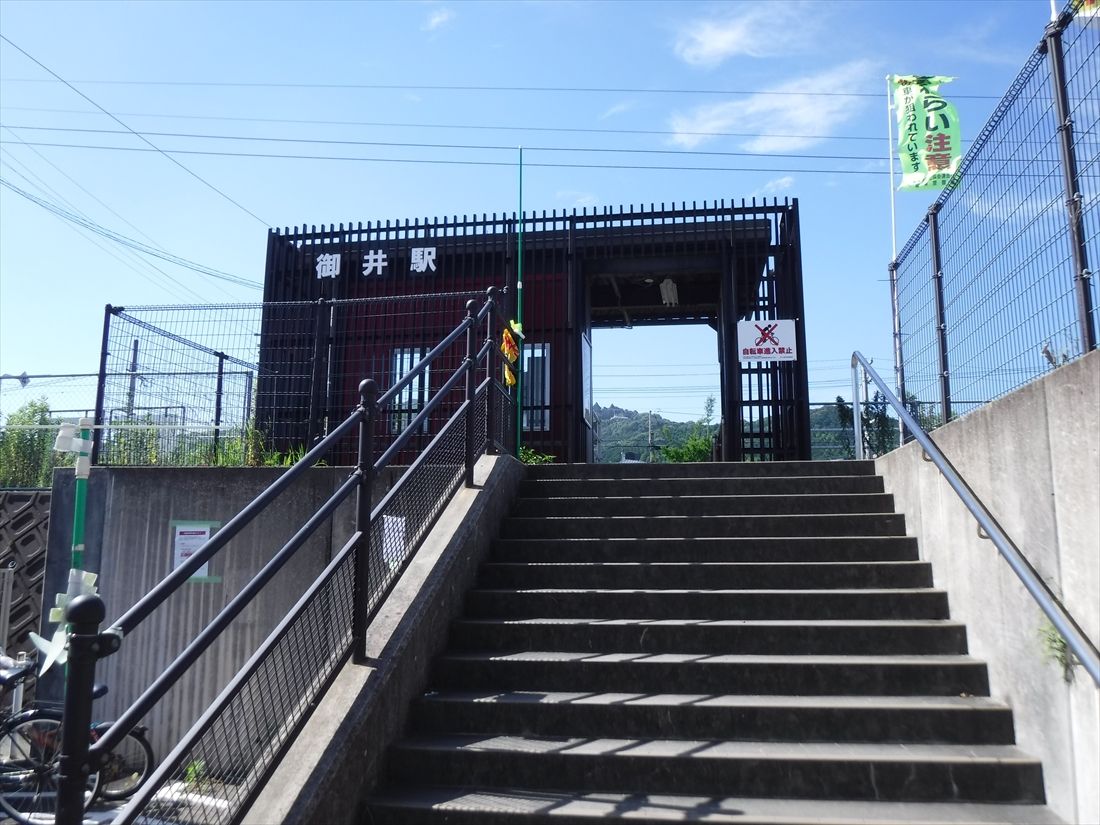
993,287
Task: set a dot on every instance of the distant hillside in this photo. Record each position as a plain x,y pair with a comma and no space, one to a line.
628,431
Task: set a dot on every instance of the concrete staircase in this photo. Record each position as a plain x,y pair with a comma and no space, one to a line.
708,642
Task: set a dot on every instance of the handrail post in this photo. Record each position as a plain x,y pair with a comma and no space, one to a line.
857,413
471,417
490,361
86,646
368,408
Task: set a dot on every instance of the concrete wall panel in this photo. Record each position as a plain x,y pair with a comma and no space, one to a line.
1033,458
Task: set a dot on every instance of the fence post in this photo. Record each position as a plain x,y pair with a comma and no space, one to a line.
1074,202
218,390
490,373
101,384
368,407
84,613
471,386
941,316
899,359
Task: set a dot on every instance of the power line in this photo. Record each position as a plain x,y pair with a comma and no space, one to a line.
438,161
130,242
465,146
195,175
463,126
64,200
44,187
438,87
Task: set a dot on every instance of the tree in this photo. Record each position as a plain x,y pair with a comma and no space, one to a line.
698,444
880,431
26,456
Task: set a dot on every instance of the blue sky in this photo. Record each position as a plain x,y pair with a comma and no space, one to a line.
792,94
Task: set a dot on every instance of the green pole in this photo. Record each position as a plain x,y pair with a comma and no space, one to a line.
80,496
519,311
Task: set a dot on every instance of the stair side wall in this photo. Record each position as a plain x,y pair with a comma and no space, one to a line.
1033,458
336,761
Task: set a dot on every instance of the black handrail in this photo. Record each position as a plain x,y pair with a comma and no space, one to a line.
1076,638
79,757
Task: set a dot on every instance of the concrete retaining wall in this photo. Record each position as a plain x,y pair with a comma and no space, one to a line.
1033,458
129,542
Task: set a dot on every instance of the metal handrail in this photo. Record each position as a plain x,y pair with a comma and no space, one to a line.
1076,638
86,613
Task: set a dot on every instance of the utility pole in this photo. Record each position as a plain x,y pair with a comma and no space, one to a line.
650,458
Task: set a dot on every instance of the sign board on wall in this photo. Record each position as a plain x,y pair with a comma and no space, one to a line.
766,341
187,538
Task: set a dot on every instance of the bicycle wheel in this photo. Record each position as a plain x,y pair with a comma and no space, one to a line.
30,745
126,767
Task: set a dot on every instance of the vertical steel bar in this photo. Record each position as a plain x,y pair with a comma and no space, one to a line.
490,373
219,388
101,383
471,384
368,407
317,374
1074,201
941,316
85,614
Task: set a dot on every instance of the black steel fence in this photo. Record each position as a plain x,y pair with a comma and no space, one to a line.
993,288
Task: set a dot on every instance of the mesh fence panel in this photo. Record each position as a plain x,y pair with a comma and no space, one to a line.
1010,308
214,777
1008,285
409,511
916,309
1081,43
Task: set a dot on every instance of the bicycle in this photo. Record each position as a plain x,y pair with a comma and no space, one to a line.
30,746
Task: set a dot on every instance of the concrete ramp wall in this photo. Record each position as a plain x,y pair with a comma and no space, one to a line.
1033,457
334,763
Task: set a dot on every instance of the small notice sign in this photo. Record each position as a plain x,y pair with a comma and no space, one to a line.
187,538
766,341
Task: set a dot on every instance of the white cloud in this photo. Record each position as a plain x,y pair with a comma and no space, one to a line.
760,30
437,19
774,187
798,111
577,198
617,109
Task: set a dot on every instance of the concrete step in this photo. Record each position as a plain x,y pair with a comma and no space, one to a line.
708,505
804,675
567,527
710,575
911,773
776,485
503,806
720,548
705,604
912,719
747,469
877,638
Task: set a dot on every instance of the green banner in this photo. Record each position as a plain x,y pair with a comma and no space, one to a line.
929,144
